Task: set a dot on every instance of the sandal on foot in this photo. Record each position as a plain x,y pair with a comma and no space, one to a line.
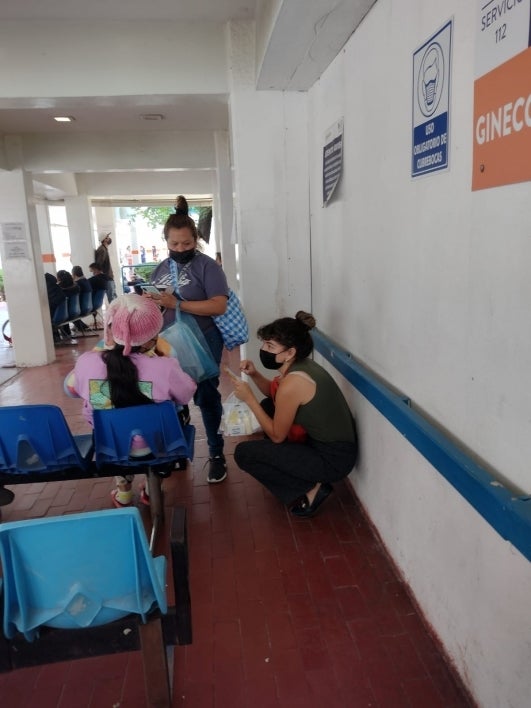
118,504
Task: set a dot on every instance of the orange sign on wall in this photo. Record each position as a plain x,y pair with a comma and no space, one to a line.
502,124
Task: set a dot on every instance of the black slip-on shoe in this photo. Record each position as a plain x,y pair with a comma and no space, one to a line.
302,508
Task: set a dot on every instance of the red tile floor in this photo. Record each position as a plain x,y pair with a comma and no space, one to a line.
287,613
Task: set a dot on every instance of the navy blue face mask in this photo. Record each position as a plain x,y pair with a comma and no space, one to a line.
182,257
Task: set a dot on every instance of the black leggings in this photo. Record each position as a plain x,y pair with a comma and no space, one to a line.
290,470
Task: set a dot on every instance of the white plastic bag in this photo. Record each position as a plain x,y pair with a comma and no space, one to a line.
238,418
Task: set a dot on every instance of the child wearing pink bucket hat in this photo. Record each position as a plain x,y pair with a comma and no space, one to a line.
127,374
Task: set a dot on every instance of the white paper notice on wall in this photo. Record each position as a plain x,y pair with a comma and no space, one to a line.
14,241
332,159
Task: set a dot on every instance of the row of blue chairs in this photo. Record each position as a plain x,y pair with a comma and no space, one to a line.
92,575
36,445
76,306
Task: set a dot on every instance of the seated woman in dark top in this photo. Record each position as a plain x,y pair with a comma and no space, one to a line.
84,287
55,295
67,285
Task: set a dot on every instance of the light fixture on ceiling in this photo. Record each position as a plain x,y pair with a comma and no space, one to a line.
152,116
64,119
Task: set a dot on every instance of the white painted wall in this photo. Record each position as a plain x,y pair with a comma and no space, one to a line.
269,132
190,182
427,283
127,150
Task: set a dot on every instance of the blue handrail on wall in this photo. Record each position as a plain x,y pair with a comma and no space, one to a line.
508,514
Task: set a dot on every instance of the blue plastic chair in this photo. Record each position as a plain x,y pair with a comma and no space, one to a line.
87,586
74,307
157,423
85,303
86,308
60,314
98,297
35,440
79,570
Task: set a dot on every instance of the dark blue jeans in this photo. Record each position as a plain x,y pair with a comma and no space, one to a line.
208,398
111,290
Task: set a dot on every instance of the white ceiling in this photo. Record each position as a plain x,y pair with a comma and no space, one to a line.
300,38
114,114
181,112
208,10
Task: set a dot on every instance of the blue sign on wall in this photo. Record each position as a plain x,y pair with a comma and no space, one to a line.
431,103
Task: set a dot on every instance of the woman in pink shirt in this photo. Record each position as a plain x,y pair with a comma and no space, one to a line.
129,372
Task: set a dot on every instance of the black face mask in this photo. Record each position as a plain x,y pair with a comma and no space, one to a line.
269,359
182,256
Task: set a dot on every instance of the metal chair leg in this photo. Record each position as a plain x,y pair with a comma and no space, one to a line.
155,505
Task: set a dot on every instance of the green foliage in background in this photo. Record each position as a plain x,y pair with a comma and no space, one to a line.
145,270
155,216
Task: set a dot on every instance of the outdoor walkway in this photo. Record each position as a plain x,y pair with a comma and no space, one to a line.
287,613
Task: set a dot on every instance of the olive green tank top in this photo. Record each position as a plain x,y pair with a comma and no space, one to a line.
326,417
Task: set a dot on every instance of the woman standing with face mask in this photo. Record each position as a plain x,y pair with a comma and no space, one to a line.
194,283
310,431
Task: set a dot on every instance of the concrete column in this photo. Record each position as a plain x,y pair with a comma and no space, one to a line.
223,208
23,271
45,237
135,253
81,231
271,179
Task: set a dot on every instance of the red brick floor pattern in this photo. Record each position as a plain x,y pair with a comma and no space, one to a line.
287,613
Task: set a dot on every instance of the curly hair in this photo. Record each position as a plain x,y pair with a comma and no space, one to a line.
291,332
